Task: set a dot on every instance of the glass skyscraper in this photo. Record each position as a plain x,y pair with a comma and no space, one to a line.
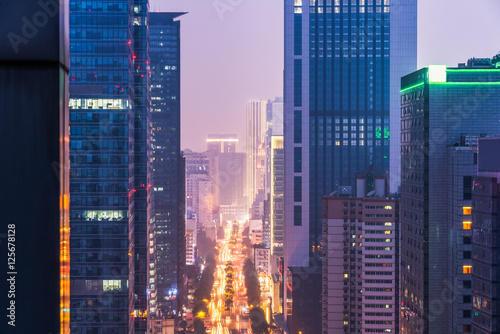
167,161
143,217
439,106
343,61
102,193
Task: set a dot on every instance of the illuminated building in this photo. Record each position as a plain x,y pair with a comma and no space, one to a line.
34,172
486,230
342,69
276,198
438,106
168,163
102,189
361,260
256,133
143,179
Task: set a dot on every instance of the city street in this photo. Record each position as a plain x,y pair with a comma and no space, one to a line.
232,319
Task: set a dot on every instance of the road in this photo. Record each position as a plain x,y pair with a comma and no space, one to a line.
230,320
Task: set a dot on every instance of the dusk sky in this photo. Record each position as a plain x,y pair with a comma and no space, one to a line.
234,53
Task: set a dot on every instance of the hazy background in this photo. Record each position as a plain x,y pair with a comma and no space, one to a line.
232,51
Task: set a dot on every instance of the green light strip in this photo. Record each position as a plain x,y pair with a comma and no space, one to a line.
474,70
496,83
411,87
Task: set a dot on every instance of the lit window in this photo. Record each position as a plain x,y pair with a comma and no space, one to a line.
467,210
467,225
388,207
467,269
346,275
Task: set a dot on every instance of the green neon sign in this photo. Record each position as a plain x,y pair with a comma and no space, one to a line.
412,87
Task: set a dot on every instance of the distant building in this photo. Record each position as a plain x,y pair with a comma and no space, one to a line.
191,231
485,235
262,259
276,196
168,163
256,133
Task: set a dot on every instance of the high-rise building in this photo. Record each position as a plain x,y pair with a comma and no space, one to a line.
361,262
222,144
276,197
462,167
274,121
438,106
143,214
256,134
486,233
168,163
34,172
342,61
102,197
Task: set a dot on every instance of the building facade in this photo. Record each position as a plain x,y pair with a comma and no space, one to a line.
485,236
34,172
433,120
342,61
102,197
360,265
167,162
256,133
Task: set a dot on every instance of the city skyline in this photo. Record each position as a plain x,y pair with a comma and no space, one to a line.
445,40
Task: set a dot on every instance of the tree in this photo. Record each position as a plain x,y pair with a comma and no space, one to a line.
258,321
199,326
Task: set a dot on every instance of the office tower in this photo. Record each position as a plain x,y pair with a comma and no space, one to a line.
276,197
226,170
342,61
438,105
462,167
256,133
485,232
361,260
144,218
274,124
222,144
34,172
168,163
102,208
190,241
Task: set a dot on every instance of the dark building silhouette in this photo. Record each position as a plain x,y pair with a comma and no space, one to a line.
168,163
34,167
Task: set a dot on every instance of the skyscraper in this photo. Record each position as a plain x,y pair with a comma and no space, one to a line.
143,215
438,105
34,172
486,230
361,259
342,61
168,163
102,185
256,134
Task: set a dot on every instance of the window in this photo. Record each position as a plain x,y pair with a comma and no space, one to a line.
466,313
297,189
297,161
297,215
467,225
467,240
467,210
467,284
467,269
467,299
467,254
467,192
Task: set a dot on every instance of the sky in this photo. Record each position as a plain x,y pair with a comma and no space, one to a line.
232,52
